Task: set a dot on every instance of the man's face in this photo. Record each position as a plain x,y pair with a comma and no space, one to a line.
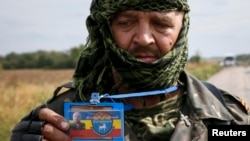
76,117
148,36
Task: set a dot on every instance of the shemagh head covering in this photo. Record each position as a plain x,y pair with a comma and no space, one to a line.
93,70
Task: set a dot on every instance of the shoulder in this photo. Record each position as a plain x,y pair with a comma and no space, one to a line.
78,126
231,106
237,107
63,93
230,98
82,124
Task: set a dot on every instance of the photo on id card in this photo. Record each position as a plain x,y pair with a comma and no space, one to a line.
98,122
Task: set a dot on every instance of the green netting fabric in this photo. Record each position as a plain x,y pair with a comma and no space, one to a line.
93,71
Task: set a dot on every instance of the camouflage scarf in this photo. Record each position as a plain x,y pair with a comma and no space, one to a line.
93,71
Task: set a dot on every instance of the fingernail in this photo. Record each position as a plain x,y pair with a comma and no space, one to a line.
65,125
47,128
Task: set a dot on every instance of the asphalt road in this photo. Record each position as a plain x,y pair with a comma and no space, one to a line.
235,80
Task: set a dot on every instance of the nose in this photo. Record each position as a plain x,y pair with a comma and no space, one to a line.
144,35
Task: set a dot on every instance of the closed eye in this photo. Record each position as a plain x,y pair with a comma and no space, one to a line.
125,23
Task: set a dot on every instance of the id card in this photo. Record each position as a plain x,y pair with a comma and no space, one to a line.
98,122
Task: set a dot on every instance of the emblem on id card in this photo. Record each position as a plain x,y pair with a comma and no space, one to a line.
95,122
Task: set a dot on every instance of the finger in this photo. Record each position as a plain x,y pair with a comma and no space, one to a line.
53,134
46,140
53,118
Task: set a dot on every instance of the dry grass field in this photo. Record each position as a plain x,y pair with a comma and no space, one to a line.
203,70
22,90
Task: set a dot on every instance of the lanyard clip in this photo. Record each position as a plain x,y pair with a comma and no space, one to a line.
95,98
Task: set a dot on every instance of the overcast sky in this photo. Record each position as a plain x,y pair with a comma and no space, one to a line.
218,27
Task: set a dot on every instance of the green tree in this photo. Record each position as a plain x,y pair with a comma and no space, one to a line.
42,59
196,58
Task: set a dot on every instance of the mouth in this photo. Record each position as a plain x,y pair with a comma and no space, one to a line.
146,59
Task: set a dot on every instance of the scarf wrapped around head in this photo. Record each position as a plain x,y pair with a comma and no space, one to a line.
93,70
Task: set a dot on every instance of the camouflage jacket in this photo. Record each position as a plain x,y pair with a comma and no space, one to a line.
201,108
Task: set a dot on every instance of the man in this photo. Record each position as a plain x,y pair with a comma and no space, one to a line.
139,46
77,124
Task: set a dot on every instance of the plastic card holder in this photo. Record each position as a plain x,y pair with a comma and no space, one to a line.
95,122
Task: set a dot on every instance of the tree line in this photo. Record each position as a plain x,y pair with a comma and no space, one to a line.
42,59
240,59
243,59
68,59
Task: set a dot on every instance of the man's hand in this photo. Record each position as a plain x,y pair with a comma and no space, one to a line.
41,124
54,127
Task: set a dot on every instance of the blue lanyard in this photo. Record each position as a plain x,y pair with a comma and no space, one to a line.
95,97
